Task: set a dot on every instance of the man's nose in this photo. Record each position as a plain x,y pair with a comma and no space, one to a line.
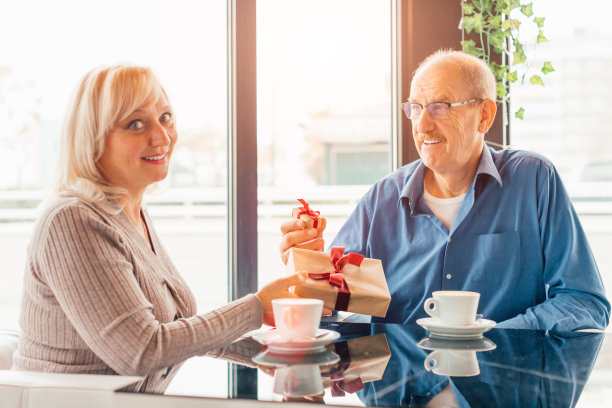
425,122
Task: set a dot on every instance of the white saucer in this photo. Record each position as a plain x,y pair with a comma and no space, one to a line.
271,358
276,343
459,332
477,344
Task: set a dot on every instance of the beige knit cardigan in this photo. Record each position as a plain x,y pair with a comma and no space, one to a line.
98,299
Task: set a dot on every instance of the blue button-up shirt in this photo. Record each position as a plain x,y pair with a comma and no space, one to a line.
516,240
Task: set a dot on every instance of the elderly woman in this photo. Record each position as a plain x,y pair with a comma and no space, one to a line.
101,295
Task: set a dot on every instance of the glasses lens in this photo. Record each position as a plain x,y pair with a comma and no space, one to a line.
438,110
406,108
412,110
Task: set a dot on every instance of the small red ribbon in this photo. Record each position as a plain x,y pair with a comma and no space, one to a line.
306,210
340,386
339,260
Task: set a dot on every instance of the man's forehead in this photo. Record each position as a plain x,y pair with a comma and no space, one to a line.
437,80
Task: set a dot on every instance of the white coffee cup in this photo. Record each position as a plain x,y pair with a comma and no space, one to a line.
298,380
454,363
297,318
453,307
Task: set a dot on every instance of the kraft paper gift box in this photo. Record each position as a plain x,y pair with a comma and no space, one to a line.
362,360
358,285
310,217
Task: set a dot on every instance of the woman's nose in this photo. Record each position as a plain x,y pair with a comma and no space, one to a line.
159,136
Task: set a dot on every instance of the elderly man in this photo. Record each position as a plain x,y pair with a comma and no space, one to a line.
467,217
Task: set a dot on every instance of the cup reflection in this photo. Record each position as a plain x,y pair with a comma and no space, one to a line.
454,358
298,380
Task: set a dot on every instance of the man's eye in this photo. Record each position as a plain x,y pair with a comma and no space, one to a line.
438,107
135,124
166,117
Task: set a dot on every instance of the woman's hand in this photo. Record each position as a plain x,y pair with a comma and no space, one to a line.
295,234
281,288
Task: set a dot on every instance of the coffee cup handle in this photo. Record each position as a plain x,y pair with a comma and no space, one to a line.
432,311
431,361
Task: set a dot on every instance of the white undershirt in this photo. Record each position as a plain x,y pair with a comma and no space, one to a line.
445,209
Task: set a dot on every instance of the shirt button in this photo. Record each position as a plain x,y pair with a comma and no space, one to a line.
450,240
448,276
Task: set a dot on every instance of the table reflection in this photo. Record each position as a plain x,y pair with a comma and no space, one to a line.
525,369
400,365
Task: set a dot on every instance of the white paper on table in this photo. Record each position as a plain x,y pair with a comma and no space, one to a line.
34,379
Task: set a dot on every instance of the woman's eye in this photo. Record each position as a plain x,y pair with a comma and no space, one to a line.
166,117
135,124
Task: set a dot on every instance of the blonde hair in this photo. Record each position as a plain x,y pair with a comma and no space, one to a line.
478,77
105,96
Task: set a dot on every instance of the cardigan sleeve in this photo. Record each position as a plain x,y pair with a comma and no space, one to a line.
89,269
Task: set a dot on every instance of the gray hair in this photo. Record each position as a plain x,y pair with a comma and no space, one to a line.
476,73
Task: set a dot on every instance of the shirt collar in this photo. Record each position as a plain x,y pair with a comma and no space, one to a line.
413,189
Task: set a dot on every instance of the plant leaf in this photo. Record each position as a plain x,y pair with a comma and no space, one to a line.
514,4
500,90
468,24
536,80
503,6
547,68
495,21
519,113
496,39
519,53
469,47
541,37
477,24
498,70
512,76
539,21
514,23
467,8
526,9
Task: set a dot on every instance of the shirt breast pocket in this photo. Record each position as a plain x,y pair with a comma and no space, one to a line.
497,257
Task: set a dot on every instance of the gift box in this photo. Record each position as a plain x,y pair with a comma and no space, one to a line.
310,217
345,282
362,360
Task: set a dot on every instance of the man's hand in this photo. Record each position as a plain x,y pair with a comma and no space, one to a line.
296,235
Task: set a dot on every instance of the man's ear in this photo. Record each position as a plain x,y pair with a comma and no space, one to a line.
487,115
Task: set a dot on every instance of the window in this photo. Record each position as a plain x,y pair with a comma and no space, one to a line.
324,101
568,120
324,111
53,45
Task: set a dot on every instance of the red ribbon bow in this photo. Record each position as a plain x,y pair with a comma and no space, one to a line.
306,210
339,260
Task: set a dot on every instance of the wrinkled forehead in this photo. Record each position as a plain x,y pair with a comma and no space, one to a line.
438,82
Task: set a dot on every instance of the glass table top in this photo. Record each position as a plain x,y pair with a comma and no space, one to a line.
403,365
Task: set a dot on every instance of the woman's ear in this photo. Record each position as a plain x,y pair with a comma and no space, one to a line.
487,115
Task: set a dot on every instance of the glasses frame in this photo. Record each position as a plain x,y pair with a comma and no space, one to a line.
450,105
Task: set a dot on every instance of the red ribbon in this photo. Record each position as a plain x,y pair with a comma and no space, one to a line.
339,260
339,385
306,210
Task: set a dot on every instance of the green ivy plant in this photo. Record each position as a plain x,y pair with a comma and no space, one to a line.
499,34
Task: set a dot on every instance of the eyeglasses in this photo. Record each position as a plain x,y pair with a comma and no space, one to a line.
439,110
